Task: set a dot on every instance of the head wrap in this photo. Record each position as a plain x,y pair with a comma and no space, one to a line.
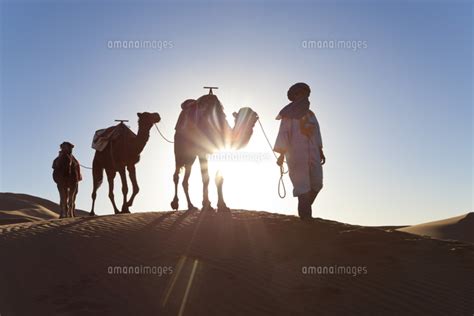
298,88
298,107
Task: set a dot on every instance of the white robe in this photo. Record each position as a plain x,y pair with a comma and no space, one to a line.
302,154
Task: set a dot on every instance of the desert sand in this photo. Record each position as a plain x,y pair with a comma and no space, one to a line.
456,228
242,263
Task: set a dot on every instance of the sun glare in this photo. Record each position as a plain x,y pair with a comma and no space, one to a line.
225,162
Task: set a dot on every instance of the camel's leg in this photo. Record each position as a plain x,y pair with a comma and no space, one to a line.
206,204
123,177
94,196
68,202
74,191
110,179
175,202
187,174
221,206
133,178
97,175
62,201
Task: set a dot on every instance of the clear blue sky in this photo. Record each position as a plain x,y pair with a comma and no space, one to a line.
396,116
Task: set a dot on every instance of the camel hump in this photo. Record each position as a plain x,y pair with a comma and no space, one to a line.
189,116
103,137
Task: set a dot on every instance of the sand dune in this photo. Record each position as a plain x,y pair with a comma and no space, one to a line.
243,263
18,208
456,228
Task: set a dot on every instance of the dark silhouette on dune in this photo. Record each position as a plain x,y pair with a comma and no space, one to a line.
201,129
67,175
121,151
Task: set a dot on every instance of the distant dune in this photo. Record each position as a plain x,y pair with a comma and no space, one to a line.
19,208
457,228
242,263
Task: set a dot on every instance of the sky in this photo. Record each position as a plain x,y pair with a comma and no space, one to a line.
395,110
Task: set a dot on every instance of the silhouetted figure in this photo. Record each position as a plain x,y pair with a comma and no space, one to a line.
67,174
299,139
202,129
117,149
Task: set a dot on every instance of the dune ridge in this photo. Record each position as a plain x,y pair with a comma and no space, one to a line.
19,208
456,228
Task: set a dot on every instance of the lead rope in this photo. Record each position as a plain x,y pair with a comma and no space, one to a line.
163,136
281,183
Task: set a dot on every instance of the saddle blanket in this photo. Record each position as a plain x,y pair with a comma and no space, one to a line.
103,137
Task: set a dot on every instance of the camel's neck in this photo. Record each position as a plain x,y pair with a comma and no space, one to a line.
142,138
232,137
227,133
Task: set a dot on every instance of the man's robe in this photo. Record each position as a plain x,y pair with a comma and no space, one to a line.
302,153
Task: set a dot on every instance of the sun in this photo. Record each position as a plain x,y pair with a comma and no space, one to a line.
226,163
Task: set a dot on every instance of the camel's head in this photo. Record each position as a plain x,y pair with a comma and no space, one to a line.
245,121
246,115
66,147
148,119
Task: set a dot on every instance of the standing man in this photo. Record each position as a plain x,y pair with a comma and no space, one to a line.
299,140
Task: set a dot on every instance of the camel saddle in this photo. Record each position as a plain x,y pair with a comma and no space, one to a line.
195,114
103,137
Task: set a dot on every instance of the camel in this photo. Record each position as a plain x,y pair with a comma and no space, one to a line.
122,153
67,175
202,129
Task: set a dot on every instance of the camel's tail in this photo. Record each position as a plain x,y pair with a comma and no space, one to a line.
97,173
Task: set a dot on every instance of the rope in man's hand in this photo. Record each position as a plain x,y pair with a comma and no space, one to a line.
280,162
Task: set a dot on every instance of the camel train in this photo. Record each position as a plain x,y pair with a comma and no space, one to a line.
201,129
